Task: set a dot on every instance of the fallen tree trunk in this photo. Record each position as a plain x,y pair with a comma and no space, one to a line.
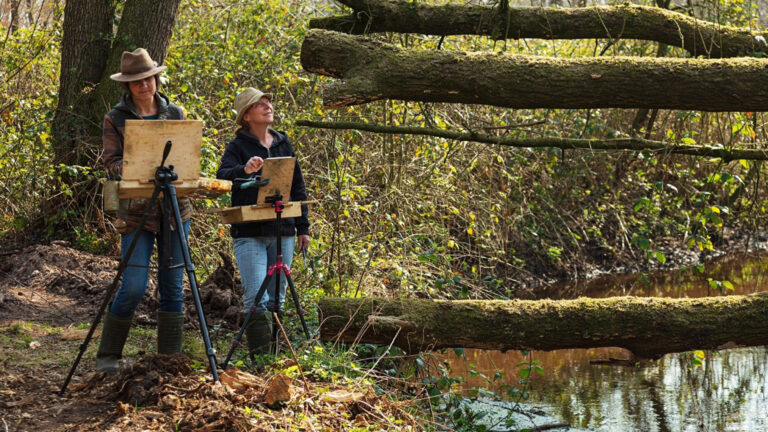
631,143
698,37
649,327
374,70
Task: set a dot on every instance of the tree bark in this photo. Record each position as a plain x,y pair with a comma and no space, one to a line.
90,53
14,16
85,43
374,70
649,327
144,24
631,143
700,38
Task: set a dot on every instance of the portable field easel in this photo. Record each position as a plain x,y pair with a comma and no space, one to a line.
141,181
275,180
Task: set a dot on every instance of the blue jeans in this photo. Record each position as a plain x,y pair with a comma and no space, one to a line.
135,276
254,257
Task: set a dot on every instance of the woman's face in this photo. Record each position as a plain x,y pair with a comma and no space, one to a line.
260,113
143,89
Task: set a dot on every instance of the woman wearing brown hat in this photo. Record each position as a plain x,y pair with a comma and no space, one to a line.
140,76
255,242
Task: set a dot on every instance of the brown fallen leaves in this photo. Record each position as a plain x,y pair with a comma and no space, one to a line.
163,393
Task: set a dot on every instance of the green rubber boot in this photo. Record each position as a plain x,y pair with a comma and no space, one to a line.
170,332
259,333
113,336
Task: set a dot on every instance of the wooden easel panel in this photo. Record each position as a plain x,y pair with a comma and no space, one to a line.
279,171
144,144
254,213
135,189
201,187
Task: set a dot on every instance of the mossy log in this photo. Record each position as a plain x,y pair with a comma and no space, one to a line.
649,327
371,70
700,38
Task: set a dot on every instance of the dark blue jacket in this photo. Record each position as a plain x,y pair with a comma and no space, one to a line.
232,166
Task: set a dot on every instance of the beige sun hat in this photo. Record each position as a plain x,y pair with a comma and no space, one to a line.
136,65
245,99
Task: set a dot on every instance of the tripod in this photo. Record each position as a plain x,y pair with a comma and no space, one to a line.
164,176
273,273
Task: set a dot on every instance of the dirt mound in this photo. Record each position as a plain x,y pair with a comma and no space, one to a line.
221,296
62,285
53,283
139,383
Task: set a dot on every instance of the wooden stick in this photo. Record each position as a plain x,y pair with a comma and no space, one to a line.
293,353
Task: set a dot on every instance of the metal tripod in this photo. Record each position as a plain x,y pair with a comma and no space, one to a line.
164,176
273,274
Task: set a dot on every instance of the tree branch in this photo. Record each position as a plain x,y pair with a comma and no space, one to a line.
627,21
632,143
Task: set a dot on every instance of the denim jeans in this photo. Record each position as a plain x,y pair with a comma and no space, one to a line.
134,282
254,257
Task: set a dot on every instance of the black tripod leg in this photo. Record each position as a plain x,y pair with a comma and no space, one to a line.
239,336
112,289
170,193
276,312
296,302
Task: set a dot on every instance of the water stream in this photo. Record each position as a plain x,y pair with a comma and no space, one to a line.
727,391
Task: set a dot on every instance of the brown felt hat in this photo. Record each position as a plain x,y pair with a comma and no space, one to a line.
245,99
136,65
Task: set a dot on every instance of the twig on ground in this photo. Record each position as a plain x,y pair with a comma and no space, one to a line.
382,355
293,353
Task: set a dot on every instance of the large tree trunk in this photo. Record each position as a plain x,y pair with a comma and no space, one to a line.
87,35
90,53
147,24
649,327
374,70
700,38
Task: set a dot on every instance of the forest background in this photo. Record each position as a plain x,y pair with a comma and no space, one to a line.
402,215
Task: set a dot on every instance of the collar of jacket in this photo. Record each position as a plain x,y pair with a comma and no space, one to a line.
246,136
126,104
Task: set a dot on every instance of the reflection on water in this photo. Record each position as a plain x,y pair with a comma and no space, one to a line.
727,392
747,272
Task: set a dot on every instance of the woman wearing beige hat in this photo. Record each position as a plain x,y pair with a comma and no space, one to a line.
140,76
255,243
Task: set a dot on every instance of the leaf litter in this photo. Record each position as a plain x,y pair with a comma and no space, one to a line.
55,285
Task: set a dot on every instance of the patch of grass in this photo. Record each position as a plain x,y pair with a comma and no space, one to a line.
51,351
140,340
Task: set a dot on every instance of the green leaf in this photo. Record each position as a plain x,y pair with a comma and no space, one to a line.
642,202
642,242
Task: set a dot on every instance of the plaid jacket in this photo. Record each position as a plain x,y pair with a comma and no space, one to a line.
131,210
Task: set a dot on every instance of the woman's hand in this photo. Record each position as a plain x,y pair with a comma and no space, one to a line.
254,164
302,242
